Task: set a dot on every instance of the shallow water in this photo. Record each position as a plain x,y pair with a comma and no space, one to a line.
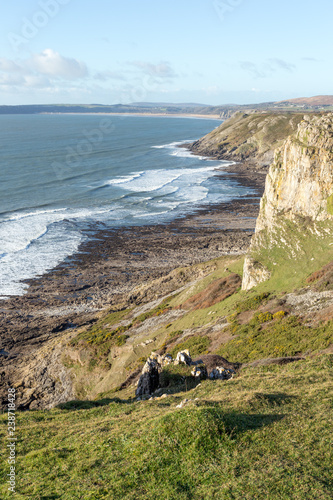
64,174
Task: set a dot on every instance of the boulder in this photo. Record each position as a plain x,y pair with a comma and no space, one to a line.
183,357
164,360
199,372
211,361
220,373
149,379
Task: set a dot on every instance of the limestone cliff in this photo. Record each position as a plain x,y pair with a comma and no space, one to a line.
298,197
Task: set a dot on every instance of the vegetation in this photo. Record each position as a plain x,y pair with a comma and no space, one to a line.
329,206
264,434
196,346
267,335
249,134
252,302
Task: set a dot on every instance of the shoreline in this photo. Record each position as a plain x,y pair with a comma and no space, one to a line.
110,272
152,115
106,269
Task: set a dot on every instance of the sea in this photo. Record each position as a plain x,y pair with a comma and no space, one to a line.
63,176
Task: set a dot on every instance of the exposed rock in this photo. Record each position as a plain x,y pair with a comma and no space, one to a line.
149,379
300,179
183,357
298,193
211,361
221,373
253,273
199,372
164,360
183,403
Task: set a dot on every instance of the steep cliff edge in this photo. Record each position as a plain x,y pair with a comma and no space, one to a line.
250,136
296,210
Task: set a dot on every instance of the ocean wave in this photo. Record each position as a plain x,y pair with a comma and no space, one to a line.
36,259
121,184
155,180
171,145
123,179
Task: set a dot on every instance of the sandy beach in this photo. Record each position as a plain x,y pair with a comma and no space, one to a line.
151,115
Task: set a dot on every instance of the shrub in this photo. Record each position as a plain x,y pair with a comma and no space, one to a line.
252,303
196,346
279,315
121,340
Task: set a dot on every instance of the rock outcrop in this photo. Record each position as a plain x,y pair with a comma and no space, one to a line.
220,373
208,366
199,372
149,379
298,192
300,180
183,357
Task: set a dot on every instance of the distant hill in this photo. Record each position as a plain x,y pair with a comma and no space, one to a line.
142,107
319,100
159,108
168,105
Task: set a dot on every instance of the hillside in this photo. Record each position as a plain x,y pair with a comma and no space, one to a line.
224,111
263,433
251,136
320,100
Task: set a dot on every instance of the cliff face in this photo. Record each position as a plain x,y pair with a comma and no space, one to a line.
251,136
298,195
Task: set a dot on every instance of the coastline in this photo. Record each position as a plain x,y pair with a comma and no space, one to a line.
150,115
107,268
115,269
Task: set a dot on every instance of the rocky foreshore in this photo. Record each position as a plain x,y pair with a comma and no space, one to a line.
108,267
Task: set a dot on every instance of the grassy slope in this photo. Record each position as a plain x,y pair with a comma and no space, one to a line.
245,136
264,434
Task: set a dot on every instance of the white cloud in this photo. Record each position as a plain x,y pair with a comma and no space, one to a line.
9,79
9,66
104,76
44,71
266,68
161,70
53,64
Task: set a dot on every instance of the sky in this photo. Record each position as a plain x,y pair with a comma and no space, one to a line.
212,52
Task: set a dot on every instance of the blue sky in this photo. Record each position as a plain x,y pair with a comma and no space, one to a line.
205,51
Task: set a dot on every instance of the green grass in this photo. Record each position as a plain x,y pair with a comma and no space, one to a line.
102,332
265,337
156,311
292,262
265,434
196,346
252,302
329,206
244,135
